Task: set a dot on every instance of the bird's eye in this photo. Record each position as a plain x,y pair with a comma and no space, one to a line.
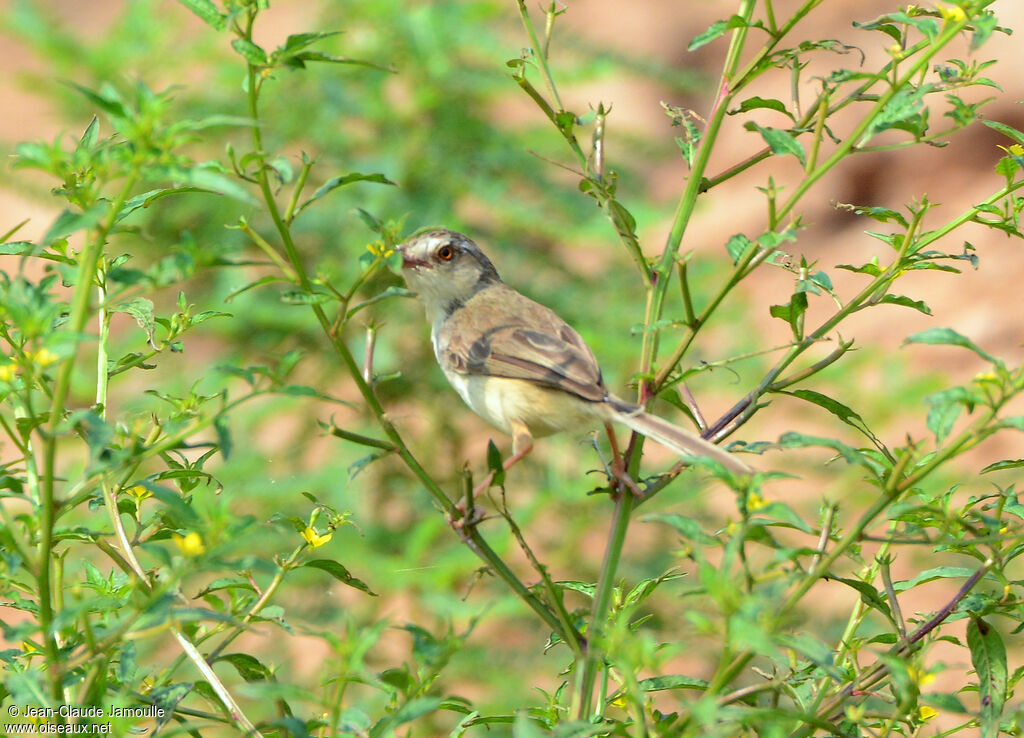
445,253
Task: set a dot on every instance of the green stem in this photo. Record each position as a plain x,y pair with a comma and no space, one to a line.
602,604
88,261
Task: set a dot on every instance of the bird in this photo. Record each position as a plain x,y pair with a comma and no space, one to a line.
517,364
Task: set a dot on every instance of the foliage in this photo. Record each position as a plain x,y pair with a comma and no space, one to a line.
134,582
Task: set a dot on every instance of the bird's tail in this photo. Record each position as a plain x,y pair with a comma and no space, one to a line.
680,440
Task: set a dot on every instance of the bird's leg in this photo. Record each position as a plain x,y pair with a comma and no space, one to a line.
522,444
619,465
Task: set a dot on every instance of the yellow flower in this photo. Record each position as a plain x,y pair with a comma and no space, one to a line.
952,15
756,502
43,357
896,51
314,539
139,492
926,713
1016,150
191,544
8,372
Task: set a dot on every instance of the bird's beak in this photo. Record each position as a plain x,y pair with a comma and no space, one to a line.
407,261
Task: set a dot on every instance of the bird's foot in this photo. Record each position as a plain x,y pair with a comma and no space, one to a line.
620,474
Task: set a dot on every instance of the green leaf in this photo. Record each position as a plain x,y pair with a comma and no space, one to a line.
792,312
793,439
904,110
868,268
868,595
737,246
340,573
411,710
717,28
392,291
207,11
298,61
108,101
301,297
918,305
248,667
495,465
988,655
779,141
1006,130
930,575
945,701
179,514
340,181
1006,464
88,139
220,427
686,527
781,514
299,41
983,27
755,103
141,309
945,408
69,221
672,681
252,53
949,337
205,177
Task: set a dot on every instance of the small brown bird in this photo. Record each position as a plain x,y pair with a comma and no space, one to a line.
514,362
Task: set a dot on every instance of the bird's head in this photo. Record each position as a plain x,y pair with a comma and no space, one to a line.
446,269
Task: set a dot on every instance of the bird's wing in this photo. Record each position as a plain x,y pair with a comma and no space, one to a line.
501,333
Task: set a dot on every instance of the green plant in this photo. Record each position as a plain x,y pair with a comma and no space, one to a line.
751,576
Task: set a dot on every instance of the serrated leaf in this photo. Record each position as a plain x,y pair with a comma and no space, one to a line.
1008,131
737,246
779,141
340,573
988,655
207,12
248,667
252,53
141,309
949,337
